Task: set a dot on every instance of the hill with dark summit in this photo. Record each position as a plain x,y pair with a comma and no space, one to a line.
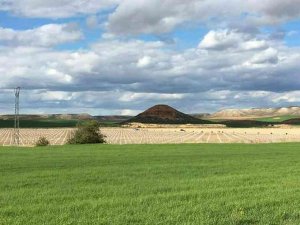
164,114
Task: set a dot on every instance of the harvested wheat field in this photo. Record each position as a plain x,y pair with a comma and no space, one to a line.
196,135
28,137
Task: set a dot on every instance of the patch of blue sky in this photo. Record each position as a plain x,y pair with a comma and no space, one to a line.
290,32
90,36
190,37
292,37
19,23
23,23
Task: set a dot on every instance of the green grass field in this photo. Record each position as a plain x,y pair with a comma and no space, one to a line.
151,184
50,123
109,124
277,118
46,123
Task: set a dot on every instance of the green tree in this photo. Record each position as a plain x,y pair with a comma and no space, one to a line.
87,133
42,141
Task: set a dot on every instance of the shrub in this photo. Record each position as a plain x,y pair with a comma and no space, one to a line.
42,141
87,133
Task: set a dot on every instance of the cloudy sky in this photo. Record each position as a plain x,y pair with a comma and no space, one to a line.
122,56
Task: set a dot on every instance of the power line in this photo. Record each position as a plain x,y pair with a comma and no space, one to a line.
17,116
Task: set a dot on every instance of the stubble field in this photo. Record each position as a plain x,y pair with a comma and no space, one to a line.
28,137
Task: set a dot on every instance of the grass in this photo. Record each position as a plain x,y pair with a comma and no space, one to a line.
277,118
50,123
109,124
151,184
46,123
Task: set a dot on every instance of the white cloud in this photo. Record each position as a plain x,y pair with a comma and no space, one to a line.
58,75
290,97
129,112
119,74
131,96
254,44
220,40
33,67
231,39
55,8
155,16
44,36
144,62
114,74
269,56
49,96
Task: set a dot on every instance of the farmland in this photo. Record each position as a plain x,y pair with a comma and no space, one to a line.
116,135
277,118
191,184
39,123
196,135
29,137
51,123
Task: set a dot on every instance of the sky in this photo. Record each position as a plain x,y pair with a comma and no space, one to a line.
119,57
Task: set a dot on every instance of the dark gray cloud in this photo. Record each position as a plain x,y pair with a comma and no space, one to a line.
280,9
156,16
135,16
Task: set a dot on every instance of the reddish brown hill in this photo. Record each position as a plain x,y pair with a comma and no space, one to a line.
164,114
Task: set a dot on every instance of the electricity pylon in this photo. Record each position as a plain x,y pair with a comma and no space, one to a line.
17,117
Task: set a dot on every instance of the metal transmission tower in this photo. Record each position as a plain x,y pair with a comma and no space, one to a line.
17,119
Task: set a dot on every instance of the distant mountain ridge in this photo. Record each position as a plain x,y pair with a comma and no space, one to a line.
256,112
82,116
116,118
166,114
